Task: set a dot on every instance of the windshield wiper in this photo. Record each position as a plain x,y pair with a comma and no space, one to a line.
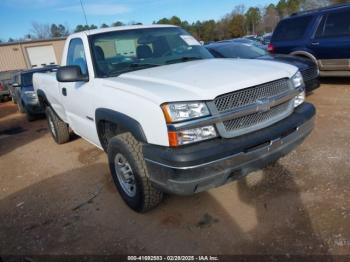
132,67
137,65
184,59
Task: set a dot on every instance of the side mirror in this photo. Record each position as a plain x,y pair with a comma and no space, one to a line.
15,84
71,74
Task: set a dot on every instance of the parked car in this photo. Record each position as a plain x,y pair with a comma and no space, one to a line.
322,35
244,41
266,39
24,95
248,51
170,117
4,91
13,89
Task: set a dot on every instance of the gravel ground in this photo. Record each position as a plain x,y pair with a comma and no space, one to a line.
61,199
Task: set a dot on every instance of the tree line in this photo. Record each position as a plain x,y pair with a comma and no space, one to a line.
239,22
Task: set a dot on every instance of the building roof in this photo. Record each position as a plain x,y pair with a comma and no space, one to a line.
33,41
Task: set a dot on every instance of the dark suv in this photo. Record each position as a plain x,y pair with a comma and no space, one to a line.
322,35
24,95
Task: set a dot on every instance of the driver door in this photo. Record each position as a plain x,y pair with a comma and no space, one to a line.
77,96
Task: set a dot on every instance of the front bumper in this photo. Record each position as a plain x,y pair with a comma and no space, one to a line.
199,167
312,84
34,109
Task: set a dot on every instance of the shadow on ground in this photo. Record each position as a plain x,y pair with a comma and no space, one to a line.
80,212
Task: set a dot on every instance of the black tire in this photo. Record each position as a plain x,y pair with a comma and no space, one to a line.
30,117
146,196
58,129
20,106
13,100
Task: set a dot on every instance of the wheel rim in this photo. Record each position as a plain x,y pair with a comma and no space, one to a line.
125,175
52,127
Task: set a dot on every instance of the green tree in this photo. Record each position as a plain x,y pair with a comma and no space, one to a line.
293,6
104,25
339,1
80,28
208,31
288,7
270,19
175,21
236,26
118,23
253,19
313,4
58,30
163,21
282,8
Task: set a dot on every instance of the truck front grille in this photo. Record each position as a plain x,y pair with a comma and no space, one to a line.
245,122
310,73
257,120
250,95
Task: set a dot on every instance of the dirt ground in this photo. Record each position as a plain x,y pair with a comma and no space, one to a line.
61,199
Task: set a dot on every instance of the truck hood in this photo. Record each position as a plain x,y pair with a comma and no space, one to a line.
199,80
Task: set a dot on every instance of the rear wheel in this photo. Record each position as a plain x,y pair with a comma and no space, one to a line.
130,174
58,129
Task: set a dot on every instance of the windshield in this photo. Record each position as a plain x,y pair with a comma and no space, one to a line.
123,51
240,51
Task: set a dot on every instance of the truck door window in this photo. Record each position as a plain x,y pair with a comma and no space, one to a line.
76,55
334,25
292,29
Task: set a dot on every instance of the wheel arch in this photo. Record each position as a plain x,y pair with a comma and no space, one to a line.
305,54
110,123
44,102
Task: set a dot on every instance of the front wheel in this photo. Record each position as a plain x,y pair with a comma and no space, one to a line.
30,117
129,173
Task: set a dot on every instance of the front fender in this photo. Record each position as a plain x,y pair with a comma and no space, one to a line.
122,121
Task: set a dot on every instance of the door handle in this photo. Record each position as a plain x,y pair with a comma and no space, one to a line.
315,43
64,91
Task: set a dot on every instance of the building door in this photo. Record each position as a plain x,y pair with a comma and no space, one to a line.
40,56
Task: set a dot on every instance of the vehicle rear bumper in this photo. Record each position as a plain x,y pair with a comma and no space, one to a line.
4,93
196,168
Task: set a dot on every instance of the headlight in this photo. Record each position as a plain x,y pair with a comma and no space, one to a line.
299,99
191,135
30,94
298,80
176,112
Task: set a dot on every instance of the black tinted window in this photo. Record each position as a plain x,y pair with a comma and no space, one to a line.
291,29
76,55
27,79
335,24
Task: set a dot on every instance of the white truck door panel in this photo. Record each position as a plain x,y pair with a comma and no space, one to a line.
77,97
80,113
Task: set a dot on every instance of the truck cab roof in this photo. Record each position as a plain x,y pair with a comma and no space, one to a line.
117,28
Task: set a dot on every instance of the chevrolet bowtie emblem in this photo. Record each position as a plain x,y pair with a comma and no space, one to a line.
263,104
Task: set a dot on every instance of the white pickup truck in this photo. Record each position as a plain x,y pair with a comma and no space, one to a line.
171,118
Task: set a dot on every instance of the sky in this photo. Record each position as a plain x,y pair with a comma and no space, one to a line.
16,16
